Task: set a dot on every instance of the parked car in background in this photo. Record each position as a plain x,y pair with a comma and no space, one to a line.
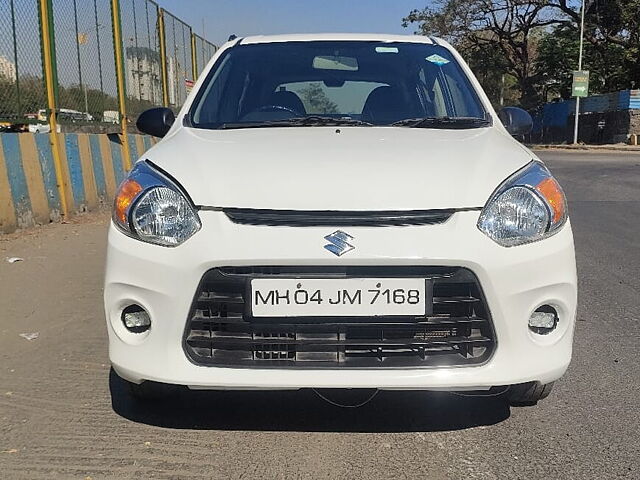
39,128
68,115
111,116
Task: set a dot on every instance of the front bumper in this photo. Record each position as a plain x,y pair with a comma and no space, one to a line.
515,282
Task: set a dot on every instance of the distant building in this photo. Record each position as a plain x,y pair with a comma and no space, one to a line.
172,80
143,74
7,69
177,81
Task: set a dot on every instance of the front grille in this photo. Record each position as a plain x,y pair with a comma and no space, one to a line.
456,330
298,218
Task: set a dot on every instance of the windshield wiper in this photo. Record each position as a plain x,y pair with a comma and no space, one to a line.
308,121
313,120
443,122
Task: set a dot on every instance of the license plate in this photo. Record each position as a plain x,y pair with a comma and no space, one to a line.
349,297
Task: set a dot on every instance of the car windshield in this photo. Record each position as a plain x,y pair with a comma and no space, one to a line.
330,83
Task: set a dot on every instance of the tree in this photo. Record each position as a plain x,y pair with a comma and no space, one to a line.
489,67
27,96
537,41
612,28
558,56
504,26
316,101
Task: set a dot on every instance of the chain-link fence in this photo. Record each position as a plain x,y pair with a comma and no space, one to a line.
160,59
87,85
204,51
22,92
142,55
179,59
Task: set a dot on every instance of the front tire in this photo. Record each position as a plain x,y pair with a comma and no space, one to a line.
528,394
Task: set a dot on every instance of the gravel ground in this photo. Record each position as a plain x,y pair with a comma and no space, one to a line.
64,415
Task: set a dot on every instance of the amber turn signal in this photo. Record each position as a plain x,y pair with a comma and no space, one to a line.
553,194
129,190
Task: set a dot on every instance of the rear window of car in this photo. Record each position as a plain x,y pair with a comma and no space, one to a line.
319,98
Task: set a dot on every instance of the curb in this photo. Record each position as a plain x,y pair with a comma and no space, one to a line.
92,167
616,148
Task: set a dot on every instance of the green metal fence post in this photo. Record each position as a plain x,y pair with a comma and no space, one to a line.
119,58
163,58
194,57
49,67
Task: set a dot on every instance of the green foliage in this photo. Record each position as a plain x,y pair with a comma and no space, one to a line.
315,100
73,98
535,43
29,96
620,20
503,28
557,58
489,67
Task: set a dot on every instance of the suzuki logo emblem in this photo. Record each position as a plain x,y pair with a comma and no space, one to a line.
339,243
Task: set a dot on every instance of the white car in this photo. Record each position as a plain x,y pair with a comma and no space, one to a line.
340,211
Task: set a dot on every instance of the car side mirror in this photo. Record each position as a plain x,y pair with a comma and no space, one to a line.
517,121
156,121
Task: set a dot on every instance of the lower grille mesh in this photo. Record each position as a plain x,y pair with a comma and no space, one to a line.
456,331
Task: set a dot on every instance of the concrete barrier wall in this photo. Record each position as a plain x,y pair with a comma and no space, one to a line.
92,168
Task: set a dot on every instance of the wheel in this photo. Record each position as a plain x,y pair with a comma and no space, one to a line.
150,391
528,394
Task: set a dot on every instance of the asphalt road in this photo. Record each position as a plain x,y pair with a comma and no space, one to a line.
62,415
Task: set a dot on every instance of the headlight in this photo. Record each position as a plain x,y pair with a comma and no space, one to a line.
529,206
152,208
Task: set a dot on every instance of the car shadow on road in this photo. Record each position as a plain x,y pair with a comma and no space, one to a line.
304,411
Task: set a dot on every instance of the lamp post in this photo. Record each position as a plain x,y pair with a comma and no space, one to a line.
577,119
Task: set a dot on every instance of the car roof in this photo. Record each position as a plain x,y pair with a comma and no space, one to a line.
336,37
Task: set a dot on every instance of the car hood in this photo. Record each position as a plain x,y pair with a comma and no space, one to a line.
346,168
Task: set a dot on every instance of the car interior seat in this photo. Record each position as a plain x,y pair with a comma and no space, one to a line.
386,105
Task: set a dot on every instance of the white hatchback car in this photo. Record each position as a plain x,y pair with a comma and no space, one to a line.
340,211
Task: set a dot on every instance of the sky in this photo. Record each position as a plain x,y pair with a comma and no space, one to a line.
253,17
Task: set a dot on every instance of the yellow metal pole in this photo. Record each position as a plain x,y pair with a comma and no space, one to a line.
122,104
194,58
163,59
50,74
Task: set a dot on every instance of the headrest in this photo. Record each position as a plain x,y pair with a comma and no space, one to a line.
387,105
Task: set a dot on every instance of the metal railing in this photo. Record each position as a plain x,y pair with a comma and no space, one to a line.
110,60
91,66
22,90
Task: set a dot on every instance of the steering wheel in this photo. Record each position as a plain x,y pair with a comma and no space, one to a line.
278,108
